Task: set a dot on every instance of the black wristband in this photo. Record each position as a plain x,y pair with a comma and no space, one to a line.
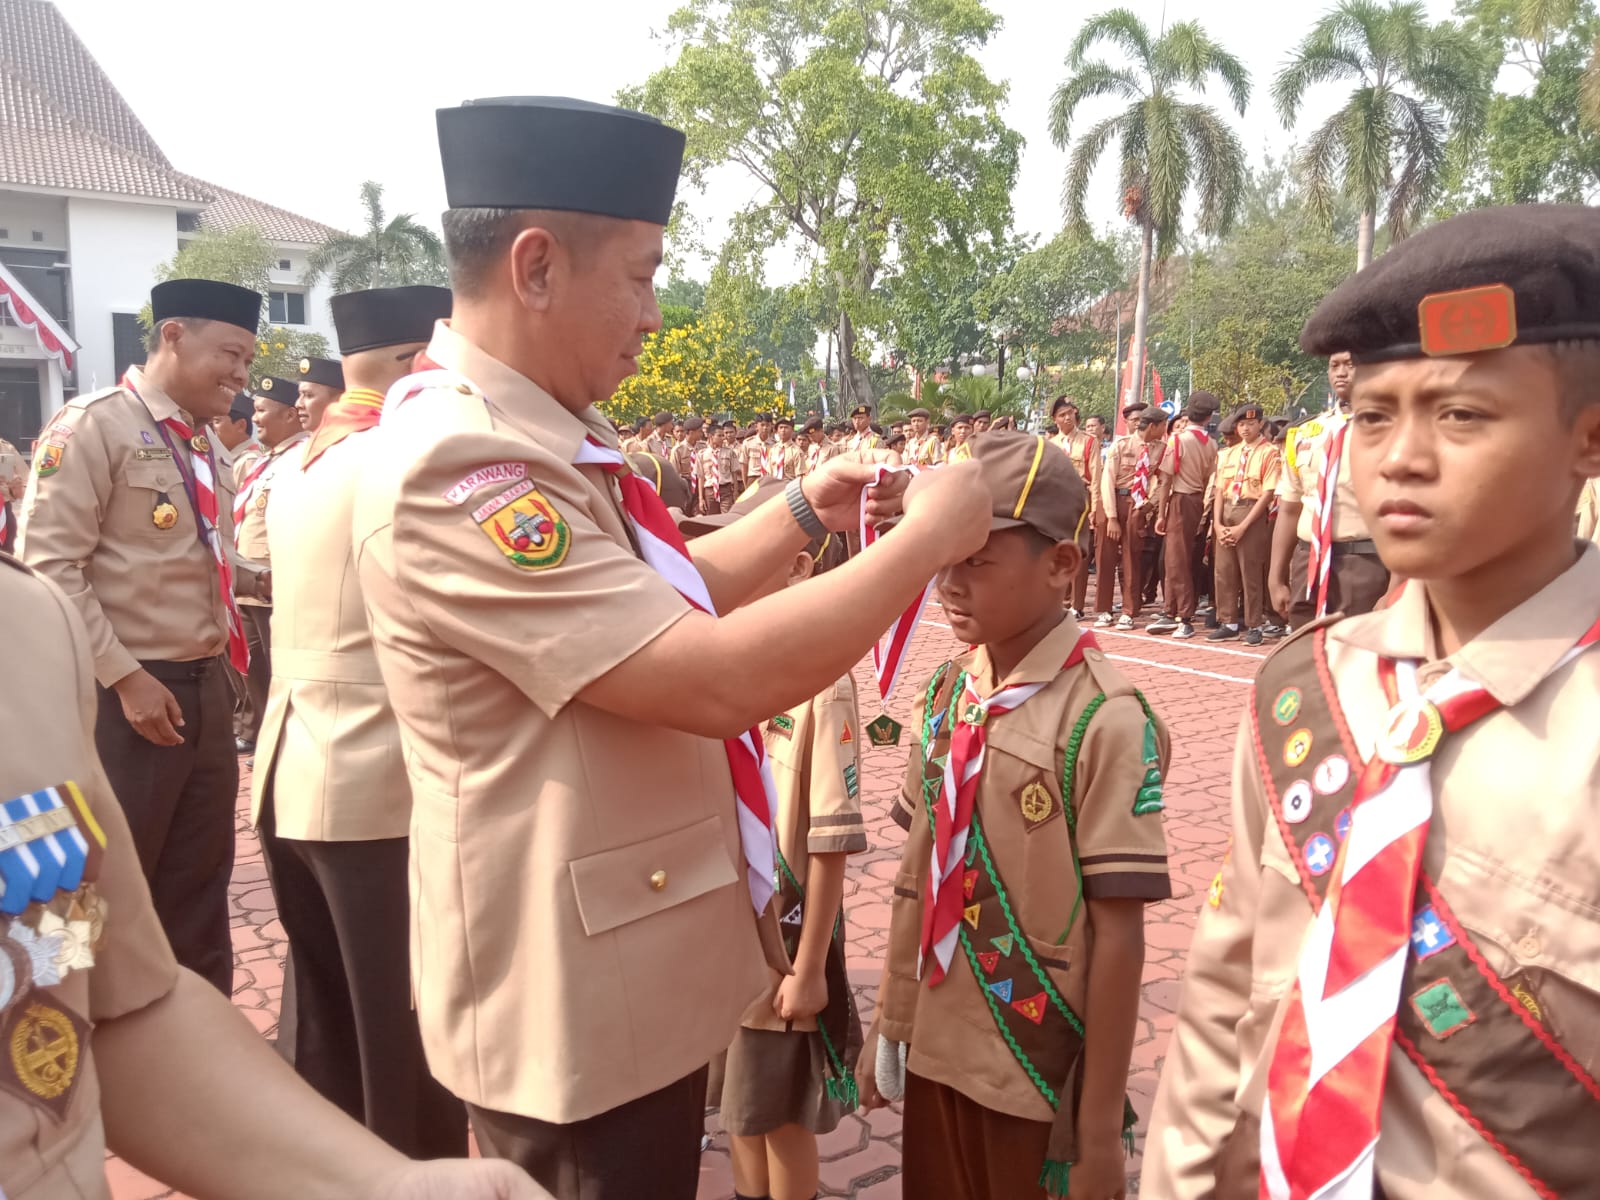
800,508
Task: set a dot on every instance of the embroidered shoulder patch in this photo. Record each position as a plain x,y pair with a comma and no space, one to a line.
1037,805
44,1048
526,528
852,785
48,460
782,724
484,476
1149,798
1441,1008
884,730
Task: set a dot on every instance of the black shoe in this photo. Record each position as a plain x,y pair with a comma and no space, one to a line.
1253,638
244,745
1274,632
1226,633
1183,632
1162,624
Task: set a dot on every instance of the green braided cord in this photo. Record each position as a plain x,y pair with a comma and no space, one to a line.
1074,743
1055,1177
841,1085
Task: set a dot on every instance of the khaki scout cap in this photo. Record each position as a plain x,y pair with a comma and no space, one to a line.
752,498
1033,483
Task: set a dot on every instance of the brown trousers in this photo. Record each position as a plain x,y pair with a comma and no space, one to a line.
1357,580
1112,553
1242,568
649,1147
1183,526
956,1149
720,501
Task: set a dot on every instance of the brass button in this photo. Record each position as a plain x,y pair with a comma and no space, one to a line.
1529,946
658,881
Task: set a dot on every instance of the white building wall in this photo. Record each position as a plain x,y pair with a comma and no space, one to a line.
115,248
319,318
23,214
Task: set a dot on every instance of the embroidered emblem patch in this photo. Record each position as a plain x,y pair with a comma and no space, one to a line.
988,960
1411,733
1006,943
48,461
1037,804
1032,1008
970,914
884,730
1298,748
1287,706
1441,1008
782,724
492,473
1214,893
1320,854
528,530
1341,824
852,785
1002,988
1468,320
969,883
1149,798
1297,802
845,736
1332,773
514,492
1521,988
1429,934
43,1046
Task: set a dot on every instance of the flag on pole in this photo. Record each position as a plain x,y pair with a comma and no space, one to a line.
1160,396
791,395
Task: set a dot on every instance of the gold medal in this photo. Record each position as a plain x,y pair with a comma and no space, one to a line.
165,514
201,443
1411,732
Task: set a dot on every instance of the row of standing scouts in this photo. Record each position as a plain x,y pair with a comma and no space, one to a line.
526,886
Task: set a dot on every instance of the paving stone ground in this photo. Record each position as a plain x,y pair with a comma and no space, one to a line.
1197,688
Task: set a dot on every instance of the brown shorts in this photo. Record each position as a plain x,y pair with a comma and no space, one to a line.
775,1079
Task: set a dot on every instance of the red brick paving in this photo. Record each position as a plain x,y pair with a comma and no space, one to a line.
1197,688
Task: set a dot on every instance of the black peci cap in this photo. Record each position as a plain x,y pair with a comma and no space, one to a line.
325,371
206,300
694,423
1490,278
381,317
273,387
243,407
559,153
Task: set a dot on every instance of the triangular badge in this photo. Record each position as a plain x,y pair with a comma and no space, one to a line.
1002,989
1032,1007
989,960
1004,944
793,918
969,882
970,915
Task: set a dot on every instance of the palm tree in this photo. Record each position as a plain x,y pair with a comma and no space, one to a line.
393,251
1167,143
1415,84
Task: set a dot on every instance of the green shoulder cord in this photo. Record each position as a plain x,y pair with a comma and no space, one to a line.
841,1084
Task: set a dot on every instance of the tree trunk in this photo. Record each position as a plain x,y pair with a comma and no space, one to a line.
1141,319
1000,371
1364,237
855,385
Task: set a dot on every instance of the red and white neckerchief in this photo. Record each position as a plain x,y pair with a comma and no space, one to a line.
1177,447
774,460
203,469
241,502
963,771
889,651
714,480
1141,477
1320,1121
1247,454
1322,506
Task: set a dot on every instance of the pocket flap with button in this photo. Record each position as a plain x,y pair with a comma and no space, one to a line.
630,883
157,476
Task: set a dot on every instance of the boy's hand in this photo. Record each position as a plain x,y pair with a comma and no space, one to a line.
1280,596
1113,528
1101,1172
801,995
955,501
867,1073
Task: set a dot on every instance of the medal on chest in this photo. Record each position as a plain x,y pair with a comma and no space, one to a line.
165,514
200,444
1411,732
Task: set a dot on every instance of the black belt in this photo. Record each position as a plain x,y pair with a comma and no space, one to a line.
1124,491
1357,546
181,672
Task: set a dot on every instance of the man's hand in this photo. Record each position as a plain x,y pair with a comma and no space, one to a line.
1161,527
801,995
954,500
1101,1172
151,709
455,1179
1280,596
867,1073
1113,529
834,491
1228,535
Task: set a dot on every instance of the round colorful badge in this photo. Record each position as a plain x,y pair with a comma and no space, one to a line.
1287,706
1411,732
1320,854
1341,824
1297,802
1331,775
1298,748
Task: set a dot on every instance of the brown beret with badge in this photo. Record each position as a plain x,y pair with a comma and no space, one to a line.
1521,274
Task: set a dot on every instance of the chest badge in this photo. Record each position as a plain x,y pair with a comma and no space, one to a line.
165,514
43,1046
1036,803
200,443
1411,732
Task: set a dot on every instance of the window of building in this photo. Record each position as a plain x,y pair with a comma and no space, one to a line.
284,264
127,341
286,308
38,235
7,317
188,222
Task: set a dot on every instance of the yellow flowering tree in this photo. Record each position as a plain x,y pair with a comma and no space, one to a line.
703,367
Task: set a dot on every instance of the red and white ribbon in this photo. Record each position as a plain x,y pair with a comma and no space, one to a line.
889,651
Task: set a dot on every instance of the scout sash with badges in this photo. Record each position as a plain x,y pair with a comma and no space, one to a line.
838,1024
1468,1031
1031,1016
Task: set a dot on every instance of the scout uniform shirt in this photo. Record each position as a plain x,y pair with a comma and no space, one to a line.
820,453
1520,875
329,745
1117,472
862,441
1190,462
950,1029
814,749
1245,473
582,929
13,483
1305,463
753,455
87,946
108,520
924,451
785,460
250,535
686,461
1081,448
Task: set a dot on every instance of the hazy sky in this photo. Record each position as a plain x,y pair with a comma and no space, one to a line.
296,102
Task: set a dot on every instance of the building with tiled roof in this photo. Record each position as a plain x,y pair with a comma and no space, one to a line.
90,208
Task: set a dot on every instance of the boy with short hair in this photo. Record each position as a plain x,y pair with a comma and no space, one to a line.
1247,480
1014,964
1392,987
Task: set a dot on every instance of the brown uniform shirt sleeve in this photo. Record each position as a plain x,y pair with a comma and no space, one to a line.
60,529
834,797
1121,847
539,628
1196,1105
908,801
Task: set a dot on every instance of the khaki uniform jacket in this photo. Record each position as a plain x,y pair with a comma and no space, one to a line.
1589,512
753,457
251,535
924,451
1523,877
145,593
1117,471
329,747
951,1033
1259,465
815,752
685,459
1189,463
820,452
236,461
582,931
660,446
1081,449
863,441
1305,465
105,937
785,460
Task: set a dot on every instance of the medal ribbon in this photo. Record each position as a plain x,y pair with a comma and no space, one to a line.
205,497
1321,560
942,908
1141,478
1320,1121
889,651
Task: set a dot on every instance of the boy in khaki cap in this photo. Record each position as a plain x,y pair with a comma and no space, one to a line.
1036,789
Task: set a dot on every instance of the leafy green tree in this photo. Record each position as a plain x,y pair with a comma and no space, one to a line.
244,257
934,318
389,252
1025,305
1167,144
872,132
1589,88
780,323
1416,85
704,367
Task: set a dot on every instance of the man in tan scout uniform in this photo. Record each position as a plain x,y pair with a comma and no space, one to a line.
1247,477
1186,470
1441,940
923,447
820,449
1083,449
321,385
107,1042
584,942
1127,506
686,460
862,437
127,513
331,799
753,451
785,459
